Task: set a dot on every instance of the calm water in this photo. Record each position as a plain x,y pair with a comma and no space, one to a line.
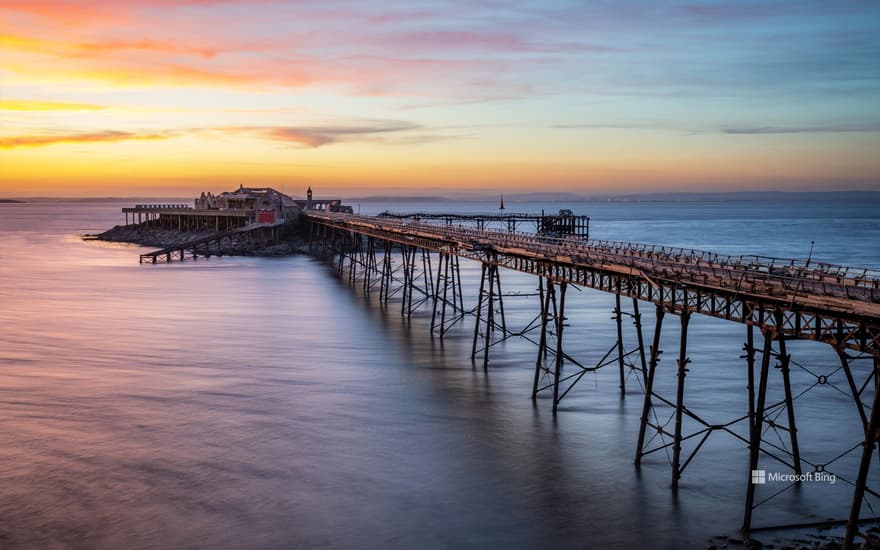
261,403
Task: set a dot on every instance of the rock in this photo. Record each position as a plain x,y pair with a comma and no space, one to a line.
163,238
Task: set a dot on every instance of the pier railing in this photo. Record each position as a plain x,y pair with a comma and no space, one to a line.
163,207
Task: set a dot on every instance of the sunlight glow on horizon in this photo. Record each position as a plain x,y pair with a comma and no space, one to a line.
104,98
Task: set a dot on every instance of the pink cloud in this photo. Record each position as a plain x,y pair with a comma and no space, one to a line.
351,47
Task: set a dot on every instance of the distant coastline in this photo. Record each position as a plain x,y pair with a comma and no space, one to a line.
550,196
557,196
10,201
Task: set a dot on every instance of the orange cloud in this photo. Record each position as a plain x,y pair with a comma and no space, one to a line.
28,105
74,49
146,74
147,45
90,137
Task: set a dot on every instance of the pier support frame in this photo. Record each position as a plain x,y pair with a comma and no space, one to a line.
647,408
489,311
447,295
653,421
617,354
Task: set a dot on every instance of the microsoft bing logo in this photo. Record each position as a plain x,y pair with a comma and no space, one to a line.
761,477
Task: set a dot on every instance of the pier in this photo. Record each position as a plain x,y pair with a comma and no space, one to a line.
415,259
564,223
775,301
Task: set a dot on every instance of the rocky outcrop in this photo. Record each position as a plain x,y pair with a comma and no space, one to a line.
150,236
146,235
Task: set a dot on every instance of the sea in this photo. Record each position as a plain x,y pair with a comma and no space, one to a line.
251,402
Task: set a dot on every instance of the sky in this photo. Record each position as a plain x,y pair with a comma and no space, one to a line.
172,97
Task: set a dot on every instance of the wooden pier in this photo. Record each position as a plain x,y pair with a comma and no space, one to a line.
778,300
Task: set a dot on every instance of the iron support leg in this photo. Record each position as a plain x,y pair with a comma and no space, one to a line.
457,283
445,294
758,425
784,362
542,341
479,311
857,396
560,323
437,293
649,384
412,282
749,348
637,320
618,316
859,493
490,314
500,300
679,401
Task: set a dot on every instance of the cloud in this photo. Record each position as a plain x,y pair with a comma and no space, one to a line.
601,126
461,101
247,66
422,139
306,136
316,136
31,105
758,130
223,44
13,142
133,74
147,45
102,48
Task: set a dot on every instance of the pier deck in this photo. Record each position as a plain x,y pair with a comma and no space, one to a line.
817,301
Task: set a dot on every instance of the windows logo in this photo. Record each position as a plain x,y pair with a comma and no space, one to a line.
759,477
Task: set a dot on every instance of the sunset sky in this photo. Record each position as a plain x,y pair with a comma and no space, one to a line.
171,97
